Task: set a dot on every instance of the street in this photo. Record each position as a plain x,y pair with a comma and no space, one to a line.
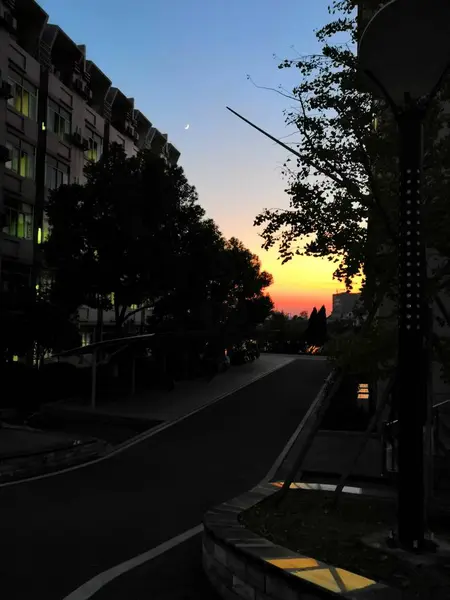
59,532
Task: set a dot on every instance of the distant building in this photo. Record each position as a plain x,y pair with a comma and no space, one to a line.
343,305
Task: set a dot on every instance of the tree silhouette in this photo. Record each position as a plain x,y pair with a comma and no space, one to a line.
321,327
120,239
311,331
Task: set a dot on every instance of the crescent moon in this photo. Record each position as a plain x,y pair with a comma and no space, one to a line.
187,126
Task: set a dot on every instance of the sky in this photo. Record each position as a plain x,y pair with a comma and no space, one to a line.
183,62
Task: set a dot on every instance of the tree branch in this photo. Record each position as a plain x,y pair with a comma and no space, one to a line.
270,89
374,187
343,181
133,312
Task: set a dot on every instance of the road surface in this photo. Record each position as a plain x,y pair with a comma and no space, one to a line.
59,532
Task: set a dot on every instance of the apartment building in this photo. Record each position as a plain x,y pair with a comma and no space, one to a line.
343,305
58,111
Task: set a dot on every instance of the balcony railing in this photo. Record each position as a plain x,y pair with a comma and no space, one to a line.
45,55
390,440
107,110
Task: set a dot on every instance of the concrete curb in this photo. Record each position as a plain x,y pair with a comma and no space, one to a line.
11,476
26,467
241,565
315,406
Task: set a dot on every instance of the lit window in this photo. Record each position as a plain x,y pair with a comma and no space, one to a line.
95,147
22,159
59,119
18,219
24,97
85,339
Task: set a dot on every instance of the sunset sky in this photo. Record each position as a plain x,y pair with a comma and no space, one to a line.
184,61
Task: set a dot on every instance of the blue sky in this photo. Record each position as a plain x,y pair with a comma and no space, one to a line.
184,61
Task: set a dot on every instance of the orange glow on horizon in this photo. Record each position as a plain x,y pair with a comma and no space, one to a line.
302,283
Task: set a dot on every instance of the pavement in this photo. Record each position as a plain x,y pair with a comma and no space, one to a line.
332,452
71,423
175,575
61,531
22,441
160,405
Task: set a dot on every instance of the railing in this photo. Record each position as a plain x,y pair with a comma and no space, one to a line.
390,441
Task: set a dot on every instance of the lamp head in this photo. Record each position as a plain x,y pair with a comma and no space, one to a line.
406,47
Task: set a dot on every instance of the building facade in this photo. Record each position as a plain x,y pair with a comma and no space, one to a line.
343,305
58,112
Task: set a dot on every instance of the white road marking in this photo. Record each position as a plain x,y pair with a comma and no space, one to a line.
276,465
146,435
91,587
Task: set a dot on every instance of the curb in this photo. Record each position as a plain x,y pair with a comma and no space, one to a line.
22,468
315,405
241,565
16,476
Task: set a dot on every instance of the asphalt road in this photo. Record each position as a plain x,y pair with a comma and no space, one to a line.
59,532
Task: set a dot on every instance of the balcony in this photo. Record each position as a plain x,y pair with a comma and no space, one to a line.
44,55
77,140
7,20
5,90
81,87
15,248
4,154
107,110
131,132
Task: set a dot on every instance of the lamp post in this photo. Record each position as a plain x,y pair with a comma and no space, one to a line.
403,55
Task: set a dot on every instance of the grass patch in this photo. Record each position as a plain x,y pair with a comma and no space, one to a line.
306,524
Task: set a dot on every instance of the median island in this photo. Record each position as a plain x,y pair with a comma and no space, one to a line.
352,535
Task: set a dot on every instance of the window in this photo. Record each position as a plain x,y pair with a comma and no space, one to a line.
86,338
59,119
95,147
43,232
24,96
22,158
18,219
56,173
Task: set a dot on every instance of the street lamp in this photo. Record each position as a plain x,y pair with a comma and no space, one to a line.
403,55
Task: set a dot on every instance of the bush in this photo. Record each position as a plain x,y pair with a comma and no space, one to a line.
344,414
20,387
58,381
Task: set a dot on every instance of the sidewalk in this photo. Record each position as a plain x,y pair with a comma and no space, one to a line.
24,441
156,405
331,454
26,452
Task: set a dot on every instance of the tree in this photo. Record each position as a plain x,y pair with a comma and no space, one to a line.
116,241
343,188
226,294
35,325
312,330
186,304
321,327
